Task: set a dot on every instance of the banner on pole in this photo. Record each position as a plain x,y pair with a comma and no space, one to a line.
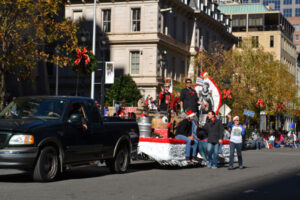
109,73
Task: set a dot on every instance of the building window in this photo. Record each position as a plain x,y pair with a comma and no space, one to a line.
106,20
297,47
287,2
183,28
271,41
287,12
239,44
297,12
77,14
255,40
297,37
255,1
296,27
134,62
135,19
297,1
174,27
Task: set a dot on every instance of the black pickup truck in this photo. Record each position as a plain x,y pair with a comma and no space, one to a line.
46,135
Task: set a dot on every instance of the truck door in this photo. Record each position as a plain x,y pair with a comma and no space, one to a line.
76,139
102,141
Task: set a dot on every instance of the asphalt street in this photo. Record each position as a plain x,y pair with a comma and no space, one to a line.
269,174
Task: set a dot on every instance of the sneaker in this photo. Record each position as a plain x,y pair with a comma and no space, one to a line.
230,168
214,167
241,167
194,160
188,160
209,165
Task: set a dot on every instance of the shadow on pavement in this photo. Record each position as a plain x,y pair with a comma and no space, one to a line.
283,187
82,172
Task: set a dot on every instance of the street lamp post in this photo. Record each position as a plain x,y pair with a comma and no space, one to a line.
56,75
103,45
94,50
163,66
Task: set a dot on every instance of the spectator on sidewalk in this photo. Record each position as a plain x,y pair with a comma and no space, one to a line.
214,130
237,132
255,137
184,132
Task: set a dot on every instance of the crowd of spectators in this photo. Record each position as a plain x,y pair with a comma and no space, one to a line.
275,139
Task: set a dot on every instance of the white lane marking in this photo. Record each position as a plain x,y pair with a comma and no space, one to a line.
249,191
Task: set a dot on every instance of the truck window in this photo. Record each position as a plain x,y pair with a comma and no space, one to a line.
77,108
94,111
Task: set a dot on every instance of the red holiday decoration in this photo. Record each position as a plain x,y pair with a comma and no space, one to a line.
82,55
260,103
85,61
192,93
280,107
227,94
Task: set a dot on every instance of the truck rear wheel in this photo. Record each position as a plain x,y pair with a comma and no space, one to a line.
47,166
120,163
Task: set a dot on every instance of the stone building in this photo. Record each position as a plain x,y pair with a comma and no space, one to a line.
267,28
151,39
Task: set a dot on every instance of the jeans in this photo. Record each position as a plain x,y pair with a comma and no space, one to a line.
238,147
203,149
213,150
189,145
257,144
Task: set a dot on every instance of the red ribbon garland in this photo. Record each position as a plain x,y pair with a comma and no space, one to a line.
227,94
80,55
280,107
260,103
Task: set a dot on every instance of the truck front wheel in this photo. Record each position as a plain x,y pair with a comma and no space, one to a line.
120,163
47,166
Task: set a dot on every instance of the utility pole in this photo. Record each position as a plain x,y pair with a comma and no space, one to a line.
94,51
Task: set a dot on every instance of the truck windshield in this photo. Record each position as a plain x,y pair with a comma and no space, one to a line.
34,108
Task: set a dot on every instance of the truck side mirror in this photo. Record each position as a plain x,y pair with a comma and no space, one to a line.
74,119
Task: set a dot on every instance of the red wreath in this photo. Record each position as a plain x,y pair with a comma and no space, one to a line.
281,107
85,62
227,94
260,103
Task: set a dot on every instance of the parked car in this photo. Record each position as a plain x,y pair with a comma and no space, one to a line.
45,135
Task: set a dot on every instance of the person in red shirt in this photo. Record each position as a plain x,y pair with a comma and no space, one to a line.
166,99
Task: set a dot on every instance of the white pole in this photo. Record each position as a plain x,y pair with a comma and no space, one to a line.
94,50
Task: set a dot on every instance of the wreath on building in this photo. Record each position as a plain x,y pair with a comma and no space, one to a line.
85,61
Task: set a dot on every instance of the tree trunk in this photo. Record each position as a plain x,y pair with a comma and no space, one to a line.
2,87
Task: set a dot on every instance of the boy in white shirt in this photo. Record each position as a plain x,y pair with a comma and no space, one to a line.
236,140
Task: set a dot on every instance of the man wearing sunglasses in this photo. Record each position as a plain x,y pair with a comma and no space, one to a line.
237,132
188,98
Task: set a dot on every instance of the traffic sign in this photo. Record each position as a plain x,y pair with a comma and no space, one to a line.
249,113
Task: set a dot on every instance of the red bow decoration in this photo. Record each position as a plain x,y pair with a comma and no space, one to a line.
260,103
80,55
280,107
227,94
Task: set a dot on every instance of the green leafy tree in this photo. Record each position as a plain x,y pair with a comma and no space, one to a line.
29,31
251,74
124,87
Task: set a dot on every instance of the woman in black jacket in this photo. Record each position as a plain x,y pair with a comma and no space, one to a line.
214,130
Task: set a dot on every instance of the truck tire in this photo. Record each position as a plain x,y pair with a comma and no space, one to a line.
120,163
47,166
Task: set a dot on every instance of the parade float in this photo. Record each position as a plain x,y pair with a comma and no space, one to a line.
156,132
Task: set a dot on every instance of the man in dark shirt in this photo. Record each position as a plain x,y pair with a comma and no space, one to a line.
188,98
184,132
